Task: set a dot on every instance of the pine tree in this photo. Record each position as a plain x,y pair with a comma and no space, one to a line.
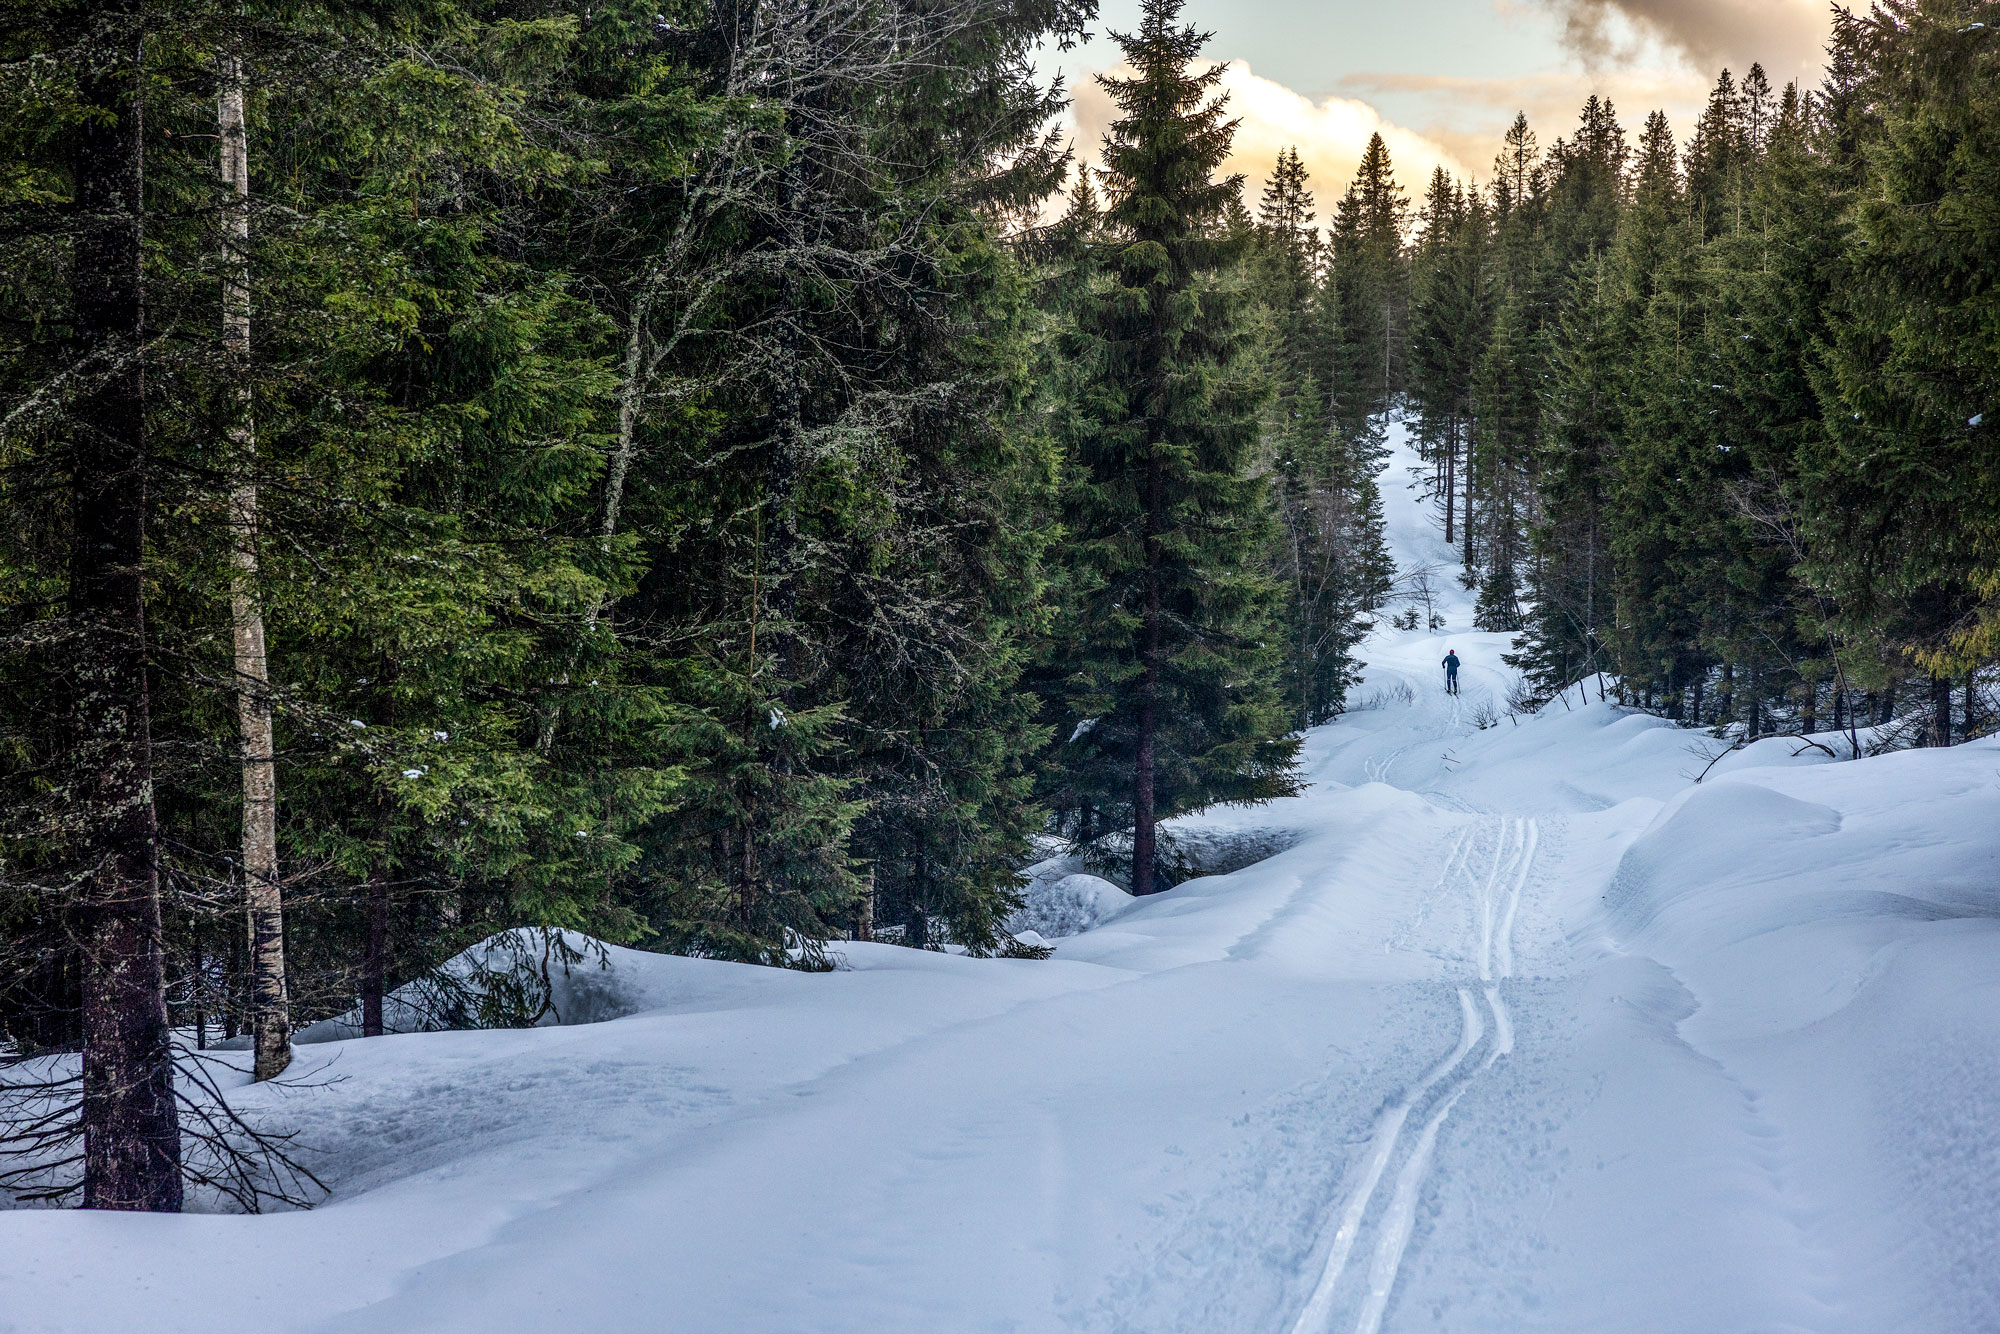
1367,298
130,1122
1450,323
1175,687
1287,262
1572,570
1716,157
1903,495
1509,416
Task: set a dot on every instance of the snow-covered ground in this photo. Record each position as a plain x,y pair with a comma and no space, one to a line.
1524,1030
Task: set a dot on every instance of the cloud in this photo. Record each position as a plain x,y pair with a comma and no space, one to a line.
1551,101
1330,134
1788,36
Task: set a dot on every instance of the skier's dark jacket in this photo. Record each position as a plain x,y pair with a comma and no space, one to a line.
1451,663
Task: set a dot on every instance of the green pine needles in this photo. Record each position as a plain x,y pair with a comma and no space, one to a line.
1174,667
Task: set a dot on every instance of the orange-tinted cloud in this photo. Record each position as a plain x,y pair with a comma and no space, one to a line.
1329,133
1550,100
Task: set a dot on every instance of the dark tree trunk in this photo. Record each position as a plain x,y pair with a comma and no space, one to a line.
1143,833
131,1127
1700,685
1450,480
1887,714
1940,710
375,960
1465,530
1971,706
198,991
231,970
864,920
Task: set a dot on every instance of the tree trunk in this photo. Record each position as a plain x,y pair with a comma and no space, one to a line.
227,1013
1971,706
270,1020
1940,710
131,1126
1450,479
864,923
1465,530
375,960
198,992
631,387
1143,833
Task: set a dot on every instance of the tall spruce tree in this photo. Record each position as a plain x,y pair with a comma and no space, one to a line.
1904,493
1451,320
1176,686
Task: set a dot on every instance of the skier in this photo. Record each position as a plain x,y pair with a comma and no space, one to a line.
1450,672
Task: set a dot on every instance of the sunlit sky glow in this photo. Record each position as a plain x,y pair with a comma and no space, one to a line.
1440,79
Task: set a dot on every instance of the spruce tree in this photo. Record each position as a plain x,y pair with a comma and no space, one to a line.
1583,426
1905,495
1176,686
1450,323
1367,298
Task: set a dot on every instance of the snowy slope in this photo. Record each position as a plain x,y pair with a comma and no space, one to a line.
1522,1031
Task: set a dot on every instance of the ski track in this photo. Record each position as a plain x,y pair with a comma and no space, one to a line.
1496,900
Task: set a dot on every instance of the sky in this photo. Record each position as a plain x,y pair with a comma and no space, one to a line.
1441,79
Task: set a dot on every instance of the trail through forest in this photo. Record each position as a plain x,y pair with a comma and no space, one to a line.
1522,1029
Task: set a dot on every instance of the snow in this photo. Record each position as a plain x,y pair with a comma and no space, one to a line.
1514,1026
1063,900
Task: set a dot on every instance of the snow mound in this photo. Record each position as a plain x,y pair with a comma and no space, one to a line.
1055,906
514,979
1781,894
1836,931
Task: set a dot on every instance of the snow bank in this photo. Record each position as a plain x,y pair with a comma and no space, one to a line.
512,979
1060,902
1835,934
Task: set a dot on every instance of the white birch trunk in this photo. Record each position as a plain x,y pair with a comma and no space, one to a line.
270,1018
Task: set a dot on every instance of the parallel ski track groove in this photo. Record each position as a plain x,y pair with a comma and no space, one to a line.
1439,1090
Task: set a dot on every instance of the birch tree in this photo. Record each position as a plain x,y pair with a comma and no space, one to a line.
270,1020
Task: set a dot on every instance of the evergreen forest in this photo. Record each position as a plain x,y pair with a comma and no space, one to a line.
727,476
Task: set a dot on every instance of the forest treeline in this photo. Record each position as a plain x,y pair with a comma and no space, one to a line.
1715,418
719,478
685,474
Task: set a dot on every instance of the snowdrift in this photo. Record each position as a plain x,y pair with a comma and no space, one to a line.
513,979
1833,936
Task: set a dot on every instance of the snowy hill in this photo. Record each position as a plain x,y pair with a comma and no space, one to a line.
1522,1029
